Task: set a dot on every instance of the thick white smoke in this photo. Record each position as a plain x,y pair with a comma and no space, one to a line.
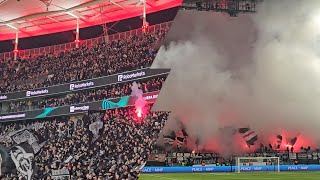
260,70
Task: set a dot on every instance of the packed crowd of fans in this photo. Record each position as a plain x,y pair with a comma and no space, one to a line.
161,157
79,64
109,91
209,158
121,147
290,155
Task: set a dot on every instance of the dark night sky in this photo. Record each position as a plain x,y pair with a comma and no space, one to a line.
89,32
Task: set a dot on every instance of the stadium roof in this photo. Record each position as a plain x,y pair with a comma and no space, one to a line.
39,17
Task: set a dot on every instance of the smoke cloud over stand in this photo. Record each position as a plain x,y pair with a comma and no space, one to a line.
260,70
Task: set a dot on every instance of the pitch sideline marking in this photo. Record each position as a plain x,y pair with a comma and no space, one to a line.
221,174
161,177
168,178
234,176
230,176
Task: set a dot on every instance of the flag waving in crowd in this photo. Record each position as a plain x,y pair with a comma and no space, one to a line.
179,138
169,139
249,135
19,159
23,156
7,166
279,141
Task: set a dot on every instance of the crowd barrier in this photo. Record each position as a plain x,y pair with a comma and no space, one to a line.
185,169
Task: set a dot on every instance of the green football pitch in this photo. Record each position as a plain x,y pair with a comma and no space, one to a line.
234,176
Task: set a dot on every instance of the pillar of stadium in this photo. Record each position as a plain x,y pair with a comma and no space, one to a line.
77,34
16,41
144,23
77,41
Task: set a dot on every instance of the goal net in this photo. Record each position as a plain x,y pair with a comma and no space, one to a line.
244,164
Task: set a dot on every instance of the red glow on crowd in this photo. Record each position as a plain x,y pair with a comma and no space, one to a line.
139,113
302,141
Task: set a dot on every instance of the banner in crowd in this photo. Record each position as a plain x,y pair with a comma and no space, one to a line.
86,84
79,108
60,174
19,159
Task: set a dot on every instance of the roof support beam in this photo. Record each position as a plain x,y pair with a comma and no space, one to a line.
9,25
116,4
100,12
35,24
123,4
71,14
151,3
33,16
53,19
13,27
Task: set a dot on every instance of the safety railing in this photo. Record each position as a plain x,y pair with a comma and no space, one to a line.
88,42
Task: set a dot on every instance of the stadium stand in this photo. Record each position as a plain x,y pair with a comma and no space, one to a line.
101,93
117,151
174,151
67,147
79,64
215,159
110,144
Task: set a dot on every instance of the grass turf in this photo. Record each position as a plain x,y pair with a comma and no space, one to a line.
234,176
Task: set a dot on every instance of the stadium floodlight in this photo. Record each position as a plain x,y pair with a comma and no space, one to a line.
255,163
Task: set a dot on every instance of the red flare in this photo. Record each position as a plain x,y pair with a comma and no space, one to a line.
139,113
